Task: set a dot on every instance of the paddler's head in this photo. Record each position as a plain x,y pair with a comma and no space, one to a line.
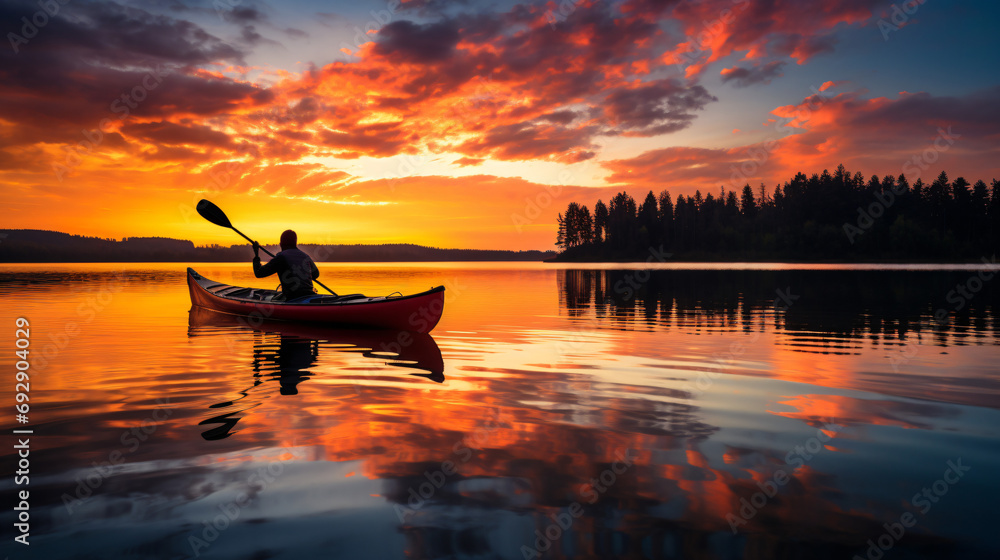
288,239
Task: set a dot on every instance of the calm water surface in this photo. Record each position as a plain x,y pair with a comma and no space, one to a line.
758,411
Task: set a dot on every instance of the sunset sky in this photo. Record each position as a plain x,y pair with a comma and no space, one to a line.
469,124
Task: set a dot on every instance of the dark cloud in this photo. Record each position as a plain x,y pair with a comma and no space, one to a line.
920,117
176,134
428,8
654,108
244,14
592,36
650,7
298,135
307,110
250,36
380,140
418,43
112,63
207,96
329,19
560,117
530,140
113,33
169,5
176,153
743,77
979,107
70,56
804,47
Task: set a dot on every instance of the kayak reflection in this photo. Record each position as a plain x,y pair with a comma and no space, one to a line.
286,352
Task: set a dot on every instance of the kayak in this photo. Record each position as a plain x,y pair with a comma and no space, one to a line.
417,312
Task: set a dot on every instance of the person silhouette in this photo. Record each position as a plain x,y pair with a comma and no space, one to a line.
294,268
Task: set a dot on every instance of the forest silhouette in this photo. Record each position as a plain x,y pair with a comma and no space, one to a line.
825,217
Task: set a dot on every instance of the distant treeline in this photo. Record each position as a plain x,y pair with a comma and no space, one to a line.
824,217
28,245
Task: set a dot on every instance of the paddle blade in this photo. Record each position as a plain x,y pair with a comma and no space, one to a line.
213,213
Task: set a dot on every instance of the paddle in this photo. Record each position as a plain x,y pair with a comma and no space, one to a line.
215,215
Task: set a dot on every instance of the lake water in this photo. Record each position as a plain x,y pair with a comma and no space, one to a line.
557,411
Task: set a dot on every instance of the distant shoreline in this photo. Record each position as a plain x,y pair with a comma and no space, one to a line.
42,246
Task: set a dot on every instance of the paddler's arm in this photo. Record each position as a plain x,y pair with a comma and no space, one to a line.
315,270
260,271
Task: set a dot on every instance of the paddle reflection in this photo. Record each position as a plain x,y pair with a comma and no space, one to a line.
286,353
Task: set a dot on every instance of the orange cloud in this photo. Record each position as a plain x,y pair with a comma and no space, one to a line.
715,29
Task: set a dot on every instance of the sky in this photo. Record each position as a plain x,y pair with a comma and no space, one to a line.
469,124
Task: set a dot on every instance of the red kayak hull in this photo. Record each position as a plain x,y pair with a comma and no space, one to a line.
418,312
